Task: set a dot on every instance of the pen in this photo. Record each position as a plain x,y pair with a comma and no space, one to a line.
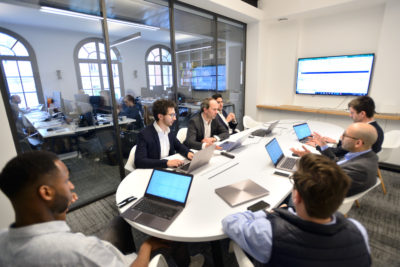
126,201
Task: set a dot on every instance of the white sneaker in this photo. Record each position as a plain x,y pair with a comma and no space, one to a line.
196,260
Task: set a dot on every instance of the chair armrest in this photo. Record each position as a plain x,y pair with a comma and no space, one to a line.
241,257
158,261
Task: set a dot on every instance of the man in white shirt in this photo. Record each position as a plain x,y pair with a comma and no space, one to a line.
156,141
204,129
227,120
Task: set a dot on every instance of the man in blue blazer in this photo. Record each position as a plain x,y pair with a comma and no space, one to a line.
156,141
227,120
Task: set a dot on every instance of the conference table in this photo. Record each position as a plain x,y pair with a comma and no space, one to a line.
200,220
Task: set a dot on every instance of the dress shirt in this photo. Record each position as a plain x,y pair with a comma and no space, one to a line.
164,140
53,244
207,131
225,121
351,155
253,232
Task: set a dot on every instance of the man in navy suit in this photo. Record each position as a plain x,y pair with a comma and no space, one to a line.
227,120
156,141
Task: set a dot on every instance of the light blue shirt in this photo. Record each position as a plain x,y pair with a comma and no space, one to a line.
53,244
351,155
253,232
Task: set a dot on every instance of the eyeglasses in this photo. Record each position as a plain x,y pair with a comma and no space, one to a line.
291,179
346,135
172,115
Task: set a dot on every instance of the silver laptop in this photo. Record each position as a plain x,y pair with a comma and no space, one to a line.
165,197
302,131
200,158
264,132
241,192
278,158
230,145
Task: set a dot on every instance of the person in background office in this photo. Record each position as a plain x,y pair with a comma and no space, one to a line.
204,129
360,163
319,236
227,120
362,109
38,186
15,100
157,141
130,110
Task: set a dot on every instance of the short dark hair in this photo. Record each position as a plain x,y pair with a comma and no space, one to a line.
161,106
216,96
130,98
25,170
205,104
363,103
322,185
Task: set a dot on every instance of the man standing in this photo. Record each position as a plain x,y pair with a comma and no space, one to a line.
227,120
38,186
360,163
312,234
204,129
156,141
362,109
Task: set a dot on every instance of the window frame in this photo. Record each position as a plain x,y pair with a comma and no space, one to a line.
99,62
160,63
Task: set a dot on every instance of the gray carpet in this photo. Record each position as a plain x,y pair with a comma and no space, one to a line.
380,214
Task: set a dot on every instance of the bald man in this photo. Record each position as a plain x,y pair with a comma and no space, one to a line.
360,163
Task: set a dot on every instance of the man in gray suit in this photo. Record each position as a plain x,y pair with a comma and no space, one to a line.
204,129
360,163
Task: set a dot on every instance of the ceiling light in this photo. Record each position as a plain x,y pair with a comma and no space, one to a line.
126,39
192,49
68,13
134,25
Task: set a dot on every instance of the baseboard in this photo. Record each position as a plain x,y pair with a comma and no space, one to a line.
389,167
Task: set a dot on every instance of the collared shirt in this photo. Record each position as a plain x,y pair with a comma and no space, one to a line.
225,121
351,155
253,232
207,131
164,140
53,244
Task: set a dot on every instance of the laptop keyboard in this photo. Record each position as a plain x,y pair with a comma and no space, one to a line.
289,163
155,209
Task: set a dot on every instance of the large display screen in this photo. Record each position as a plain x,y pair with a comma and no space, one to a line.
204,78
335,75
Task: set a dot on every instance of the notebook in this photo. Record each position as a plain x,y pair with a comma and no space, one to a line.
278,158
241,192
302,131
229,145
264,132
200,158
165,197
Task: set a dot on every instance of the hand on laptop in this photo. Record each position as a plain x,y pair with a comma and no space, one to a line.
174,163
190,155
300,152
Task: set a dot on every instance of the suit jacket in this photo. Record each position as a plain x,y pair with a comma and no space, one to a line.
232,125
195,131
363,172
148,149
338,151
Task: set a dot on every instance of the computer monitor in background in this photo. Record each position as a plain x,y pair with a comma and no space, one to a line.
58,101
69,106
158,90
82,98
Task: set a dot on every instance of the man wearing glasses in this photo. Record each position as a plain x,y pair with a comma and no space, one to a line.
360,163
311,234
156,141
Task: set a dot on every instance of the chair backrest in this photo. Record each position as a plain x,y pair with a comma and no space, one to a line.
241,257
248,122
158,261
348,201
130,164
390,143
181,135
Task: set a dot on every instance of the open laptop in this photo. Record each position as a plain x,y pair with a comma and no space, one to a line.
302,131
264,132
241,192
200,158
278,158
230,145
165,197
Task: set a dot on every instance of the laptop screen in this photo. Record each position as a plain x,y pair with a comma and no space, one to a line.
274,150
169,185
302,130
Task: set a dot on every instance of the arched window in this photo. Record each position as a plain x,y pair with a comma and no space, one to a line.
19,65
91,66
158,67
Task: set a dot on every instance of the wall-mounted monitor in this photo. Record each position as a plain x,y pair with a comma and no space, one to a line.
335,75
204,78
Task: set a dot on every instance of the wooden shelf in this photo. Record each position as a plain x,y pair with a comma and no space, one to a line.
384,116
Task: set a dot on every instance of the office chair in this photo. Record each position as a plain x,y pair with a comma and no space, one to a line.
181,135
348,201
130,164
241,257
390,143
248,122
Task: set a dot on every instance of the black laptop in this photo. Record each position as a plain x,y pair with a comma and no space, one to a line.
165,197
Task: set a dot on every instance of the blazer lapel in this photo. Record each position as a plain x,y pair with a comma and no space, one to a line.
156,141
